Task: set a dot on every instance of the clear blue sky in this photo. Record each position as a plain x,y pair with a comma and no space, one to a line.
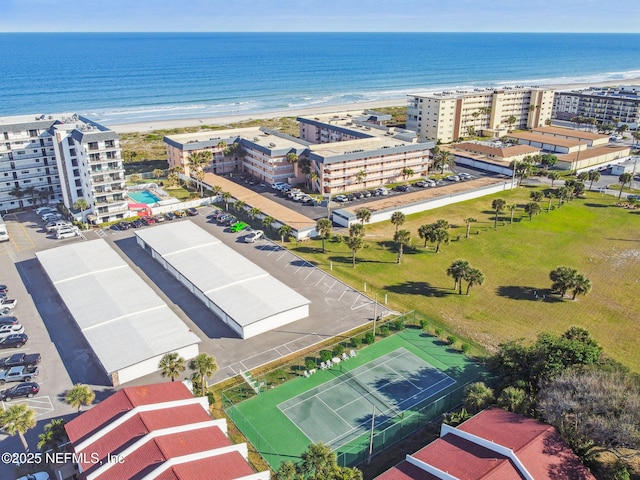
320,15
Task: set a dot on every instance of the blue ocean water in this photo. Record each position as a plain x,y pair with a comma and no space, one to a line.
132,77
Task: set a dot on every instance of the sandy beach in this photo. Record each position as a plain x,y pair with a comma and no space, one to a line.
229,119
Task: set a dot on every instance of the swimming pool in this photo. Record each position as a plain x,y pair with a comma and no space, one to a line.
144,196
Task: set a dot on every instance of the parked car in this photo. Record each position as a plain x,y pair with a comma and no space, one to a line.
14,341
230,220
42,210
51,217
452,178
53,226
67,232
8,302
253,236
170,216
278,185
24,389
8,320
8,330
340,198
19,359
238,227
367,194
18,374
382,191
180,213
4,289
137,223
401,188
306,199
192,212
36,476
147,220
159,218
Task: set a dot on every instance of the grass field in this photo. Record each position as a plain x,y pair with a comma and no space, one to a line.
592,235
278,439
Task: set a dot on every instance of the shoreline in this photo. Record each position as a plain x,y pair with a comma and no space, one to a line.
225,120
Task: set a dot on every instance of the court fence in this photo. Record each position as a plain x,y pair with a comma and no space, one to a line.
357,451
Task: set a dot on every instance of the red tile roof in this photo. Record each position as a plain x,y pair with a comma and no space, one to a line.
226,467
121,402
536,445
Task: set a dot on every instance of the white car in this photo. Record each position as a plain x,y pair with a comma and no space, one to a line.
36,476
8,303
382,191
67,232
53,226
43,210
254,236
6,330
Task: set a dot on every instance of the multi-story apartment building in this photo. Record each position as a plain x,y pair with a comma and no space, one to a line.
615,106
62,158
448,116
334,154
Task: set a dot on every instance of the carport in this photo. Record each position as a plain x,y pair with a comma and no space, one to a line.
243,295
128,326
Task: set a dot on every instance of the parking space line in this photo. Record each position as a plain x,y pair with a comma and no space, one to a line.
313,270
345,291
332,285
321,279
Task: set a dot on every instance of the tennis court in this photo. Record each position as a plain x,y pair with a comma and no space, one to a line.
341,410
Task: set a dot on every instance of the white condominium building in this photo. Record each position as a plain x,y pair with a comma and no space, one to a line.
615,106
63,157
449,116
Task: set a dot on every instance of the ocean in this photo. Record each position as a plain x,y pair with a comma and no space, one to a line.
136,77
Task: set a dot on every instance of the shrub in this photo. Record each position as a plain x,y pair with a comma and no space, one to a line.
325,355
338,350
438,332
465,347
424,324
452,339
211,398
384,331
310,363
356,342
398,325
369,338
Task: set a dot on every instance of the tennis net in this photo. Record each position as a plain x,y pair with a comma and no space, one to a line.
366,391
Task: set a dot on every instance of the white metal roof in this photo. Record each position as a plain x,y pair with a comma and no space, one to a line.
239,287
122,318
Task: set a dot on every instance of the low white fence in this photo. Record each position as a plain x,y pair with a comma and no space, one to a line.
198,202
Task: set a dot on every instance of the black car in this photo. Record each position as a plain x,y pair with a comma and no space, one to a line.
8,320
401,188
4,289
137,224
25,389
170,216
20,359
192,212
16,340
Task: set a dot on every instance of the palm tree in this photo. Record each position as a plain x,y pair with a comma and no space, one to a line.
226,196
355,243
285,232
53,435
406,173
43,195
444,159
254,212
563,279
553,176
216,189
474,277
19,194
80,205
581,285
398,218
313,177
536,196
623,180
469,221
356,230
323,227
171,365
498,205
79,395
157,172
532,208
512,209
513,399
318,461
364,215
18,419
424,232
360,176
439,235
267,221
31,192
593,176
197,162
458,271
402,239
203,365
562,193
239,205
511,121
477,396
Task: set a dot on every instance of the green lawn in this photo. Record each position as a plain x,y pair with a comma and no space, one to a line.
591,235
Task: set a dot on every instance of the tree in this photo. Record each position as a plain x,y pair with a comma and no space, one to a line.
157,172
593,176
548,160
498,205
313,177
514,399
511,121
398,218
458,270
204,366
424,232
438,236
406,173
444,159
53,435
532,208
473,276
171,365
581,285
536,196
19,194
267,221
318,461
80,205
364,215
623,180
285,232
18,419
254,212
197,162
553,176
562,193
355,243
402,239
239,205
512,210
79,395
563,279
323,227
356,230
469,221
477,396
135,178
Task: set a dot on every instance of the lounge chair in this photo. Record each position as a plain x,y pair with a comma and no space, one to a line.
323,366
352,353
345,356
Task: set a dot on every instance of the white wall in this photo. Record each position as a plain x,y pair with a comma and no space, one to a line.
275,321
150,365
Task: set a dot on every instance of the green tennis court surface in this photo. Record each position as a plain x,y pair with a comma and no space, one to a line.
411,378
340,410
